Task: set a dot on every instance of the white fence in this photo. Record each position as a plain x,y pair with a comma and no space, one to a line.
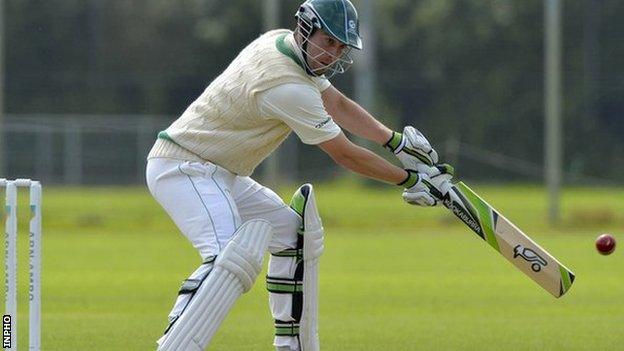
79,149
111,149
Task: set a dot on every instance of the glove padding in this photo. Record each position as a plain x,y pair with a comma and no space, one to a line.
412,149
420,193
439,179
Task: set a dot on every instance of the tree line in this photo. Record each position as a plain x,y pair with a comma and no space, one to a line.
471,71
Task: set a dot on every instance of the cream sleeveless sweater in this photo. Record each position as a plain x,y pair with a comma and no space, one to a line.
224,125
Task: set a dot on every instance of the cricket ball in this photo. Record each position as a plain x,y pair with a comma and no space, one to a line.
605,244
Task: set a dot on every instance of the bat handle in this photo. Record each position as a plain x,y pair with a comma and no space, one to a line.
442,183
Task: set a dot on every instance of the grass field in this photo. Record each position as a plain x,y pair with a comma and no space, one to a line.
393,277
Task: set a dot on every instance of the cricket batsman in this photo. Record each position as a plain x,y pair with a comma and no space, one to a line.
199,171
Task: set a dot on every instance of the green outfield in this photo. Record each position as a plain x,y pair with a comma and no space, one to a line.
393,277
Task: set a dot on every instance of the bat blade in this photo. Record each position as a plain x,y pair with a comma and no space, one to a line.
506,238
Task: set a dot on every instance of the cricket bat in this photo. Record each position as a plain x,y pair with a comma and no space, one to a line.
508,239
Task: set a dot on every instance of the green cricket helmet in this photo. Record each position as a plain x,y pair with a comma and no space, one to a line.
337,18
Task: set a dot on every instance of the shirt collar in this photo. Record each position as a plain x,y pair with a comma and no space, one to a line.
286,45
290,39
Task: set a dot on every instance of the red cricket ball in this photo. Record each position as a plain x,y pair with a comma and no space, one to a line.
605,244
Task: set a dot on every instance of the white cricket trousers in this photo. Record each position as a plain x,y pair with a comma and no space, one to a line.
208,203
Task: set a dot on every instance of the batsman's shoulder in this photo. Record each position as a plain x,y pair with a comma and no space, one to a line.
277,32
289,93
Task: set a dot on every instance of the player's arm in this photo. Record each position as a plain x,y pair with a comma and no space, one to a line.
301,108
418,189
353,117
361,160
411,147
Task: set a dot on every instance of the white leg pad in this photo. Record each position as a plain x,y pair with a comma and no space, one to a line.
293,280
312,249
236,269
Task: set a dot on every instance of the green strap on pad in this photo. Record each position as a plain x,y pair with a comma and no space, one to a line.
286,328
289,253
284,285
190,285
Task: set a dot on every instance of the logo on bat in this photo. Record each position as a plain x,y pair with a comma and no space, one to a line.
464,215
537,262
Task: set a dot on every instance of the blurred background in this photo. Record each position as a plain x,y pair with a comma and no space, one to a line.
87,84
521,96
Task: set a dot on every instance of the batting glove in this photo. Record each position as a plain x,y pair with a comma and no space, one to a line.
439,179
418,189
412,149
